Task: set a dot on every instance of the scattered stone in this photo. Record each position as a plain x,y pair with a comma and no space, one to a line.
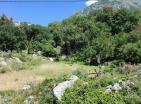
130,83
85,84
29,100
51,59
135,76
34,56
39,53
140,72
25,52
2,59
108,90
116,87
61,87
122,83
3,63
109,87
26,87
17,60
63,57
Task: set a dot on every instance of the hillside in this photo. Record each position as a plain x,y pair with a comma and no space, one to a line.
91,59
129,4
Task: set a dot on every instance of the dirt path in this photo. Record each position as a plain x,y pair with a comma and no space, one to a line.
16,79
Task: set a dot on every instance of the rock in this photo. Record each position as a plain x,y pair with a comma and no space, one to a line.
25,52
129,83
26,87
39,53
2,59
140,72
29,100
85,84
17,60
34,56
108,90
3,63
116,87
135,76
63,57
109,87
122,83
51,59
61,87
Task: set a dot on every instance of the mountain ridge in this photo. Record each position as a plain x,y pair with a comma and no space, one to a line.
133,5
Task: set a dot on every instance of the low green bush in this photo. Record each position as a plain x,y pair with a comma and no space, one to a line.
82,95
81,73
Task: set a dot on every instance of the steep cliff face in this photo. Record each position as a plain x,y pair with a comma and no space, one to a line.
129,4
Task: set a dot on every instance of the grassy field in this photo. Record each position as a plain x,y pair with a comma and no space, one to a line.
14,80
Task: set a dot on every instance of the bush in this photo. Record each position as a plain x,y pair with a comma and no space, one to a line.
131,53
44,92
4,69
81,73
80,95
49,51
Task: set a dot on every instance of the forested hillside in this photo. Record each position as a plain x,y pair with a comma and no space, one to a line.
104,35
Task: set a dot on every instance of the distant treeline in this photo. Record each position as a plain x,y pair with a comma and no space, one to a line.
104,35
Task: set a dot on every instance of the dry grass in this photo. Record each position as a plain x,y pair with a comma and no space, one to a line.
15,79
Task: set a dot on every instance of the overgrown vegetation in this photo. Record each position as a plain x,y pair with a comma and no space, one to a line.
106,35
110,38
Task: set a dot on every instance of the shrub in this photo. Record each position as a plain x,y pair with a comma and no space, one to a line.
80,95
81,73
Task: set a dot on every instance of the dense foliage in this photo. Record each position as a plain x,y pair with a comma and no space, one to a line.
105,35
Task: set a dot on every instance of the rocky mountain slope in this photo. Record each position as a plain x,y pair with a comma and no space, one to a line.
130,4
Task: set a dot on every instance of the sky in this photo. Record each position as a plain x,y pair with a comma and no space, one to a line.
41,13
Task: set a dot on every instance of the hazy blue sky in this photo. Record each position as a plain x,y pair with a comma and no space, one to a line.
40,13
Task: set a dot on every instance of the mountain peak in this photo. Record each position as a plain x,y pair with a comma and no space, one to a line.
129,4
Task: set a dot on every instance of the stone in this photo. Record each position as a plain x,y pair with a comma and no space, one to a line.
129,83
2,59
109,87
122,83
3,63
116,87
17,60
61,87
25,52
29,100
51,59
26,87
139,72
39,53
108,90
63,57
34,56
135,76
85,84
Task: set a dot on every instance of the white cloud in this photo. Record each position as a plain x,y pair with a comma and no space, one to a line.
90,2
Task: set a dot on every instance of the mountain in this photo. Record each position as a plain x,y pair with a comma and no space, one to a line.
129,4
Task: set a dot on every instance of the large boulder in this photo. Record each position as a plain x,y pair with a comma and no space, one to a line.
61,87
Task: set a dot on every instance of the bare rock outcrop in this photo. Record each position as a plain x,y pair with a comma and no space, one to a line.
61,87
